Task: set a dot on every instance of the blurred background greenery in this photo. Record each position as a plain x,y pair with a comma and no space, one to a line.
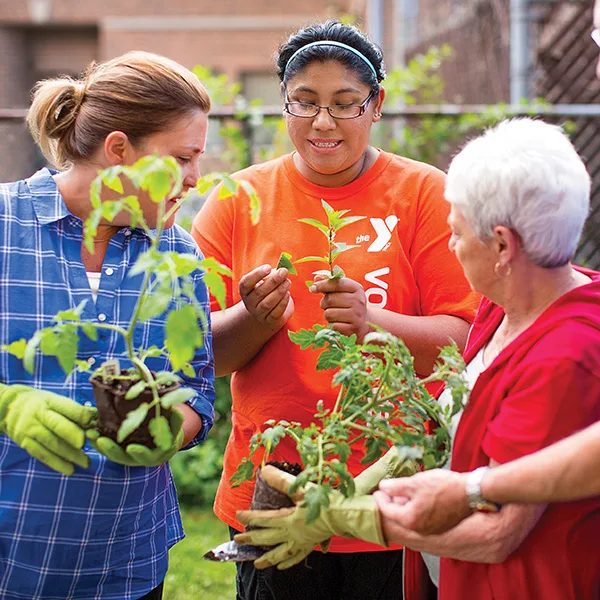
197,472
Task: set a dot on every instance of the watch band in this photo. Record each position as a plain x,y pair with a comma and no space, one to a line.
473,490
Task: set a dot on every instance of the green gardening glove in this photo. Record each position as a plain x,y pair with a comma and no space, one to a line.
294,540
48,426
136,455
391,465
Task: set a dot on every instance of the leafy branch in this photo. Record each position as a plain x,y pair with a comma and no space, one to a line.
335,221
167,287
381,402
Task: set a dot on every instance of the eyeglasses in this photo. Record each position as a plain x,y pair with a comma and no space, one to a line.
596,36
308,110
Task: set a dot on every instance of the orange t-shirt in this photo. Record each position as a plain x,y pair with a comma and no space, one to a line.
402,261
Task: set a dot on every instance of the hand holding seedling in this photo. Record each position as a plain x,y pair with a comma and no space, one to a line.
344,304
48,426
266,296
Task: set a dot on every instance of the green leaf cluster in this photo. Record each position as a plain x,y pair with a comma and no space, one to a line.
168,288
336,220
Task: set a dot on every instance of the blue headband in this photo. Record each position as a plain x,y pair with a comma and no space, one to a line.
338,45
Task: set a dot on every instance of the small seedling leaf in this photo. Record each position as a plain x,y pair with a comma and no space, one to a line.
135,390
285,261
161,432
178,396
17,348
132,421
245,472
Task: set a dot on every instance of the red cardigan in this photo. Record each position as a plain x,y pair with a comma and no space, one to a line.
541,388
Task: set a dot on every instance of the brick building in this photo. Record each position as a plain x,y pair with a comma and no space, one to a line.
43,38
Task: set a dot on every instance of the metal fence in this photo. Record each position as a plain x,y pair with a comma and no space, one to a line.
262,138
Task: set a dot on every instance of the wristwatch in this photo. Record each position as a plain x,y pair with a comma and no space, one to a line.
473,490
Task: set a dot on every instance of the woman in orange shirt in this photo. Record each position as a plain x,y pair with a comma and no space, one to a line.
401,276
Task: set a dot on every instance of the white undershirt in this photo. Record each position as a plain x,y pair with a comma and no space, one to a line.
94,281
471,373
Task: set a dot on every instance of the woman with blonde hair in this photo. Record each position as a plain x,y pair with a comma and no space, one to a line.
73,522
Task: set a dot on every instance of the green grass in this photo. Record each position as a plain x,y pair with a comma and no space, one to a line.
190,576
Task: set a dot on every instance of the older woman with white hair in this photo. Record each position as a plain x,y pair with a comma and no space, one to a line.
519,197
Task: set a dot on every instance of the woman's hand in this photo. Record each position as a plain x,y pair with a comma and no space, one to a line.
344,304
266,296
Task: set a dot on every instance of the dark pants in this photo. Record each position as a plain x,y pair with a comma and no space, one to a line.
330,576
155,594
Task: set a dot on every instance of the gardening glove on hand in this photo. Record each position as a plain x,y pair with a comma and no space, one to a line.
286,528
136,455
48,426
391,465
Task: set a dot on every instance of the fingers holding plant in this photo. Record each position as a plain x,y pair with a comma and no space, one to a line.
344,304
265,293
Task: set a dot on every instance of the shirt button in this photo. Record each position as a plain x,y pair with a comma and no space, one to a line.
127,232
91,360
87,403
109,271
101,317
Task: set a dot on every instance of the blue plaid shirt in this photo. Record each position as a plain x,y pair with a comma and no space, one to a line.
105,531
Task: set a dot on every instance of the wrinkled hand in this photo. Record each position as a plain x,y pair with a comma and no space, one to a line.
136,455
294,540
427,503
48,426
266,296
391,464
344,304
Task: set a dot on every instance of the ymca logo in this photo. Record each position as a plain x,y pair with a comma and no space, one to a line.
383,229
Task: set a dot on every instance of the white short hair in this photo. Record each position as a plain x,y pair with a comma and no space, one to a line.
524,174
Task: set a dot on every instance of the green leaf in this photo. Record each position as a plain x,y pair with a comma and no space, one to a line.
135,390
245,472
147,261
112,181
183,336
188,370
285,261
255,204
328,209
348,221
90,330
132,421
167,378
320,226
272,436
230,184
338,272
17,348
315,499
156,304
217,288
71,314
178,396
343,450
159,185
30,350
161,432
304,338
375,447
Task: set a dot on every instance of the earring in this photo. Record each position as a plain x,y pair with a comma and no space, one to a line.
497,272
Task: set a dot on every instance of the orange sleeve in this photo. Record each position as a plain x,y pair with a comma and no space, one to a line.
442,285
212,229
